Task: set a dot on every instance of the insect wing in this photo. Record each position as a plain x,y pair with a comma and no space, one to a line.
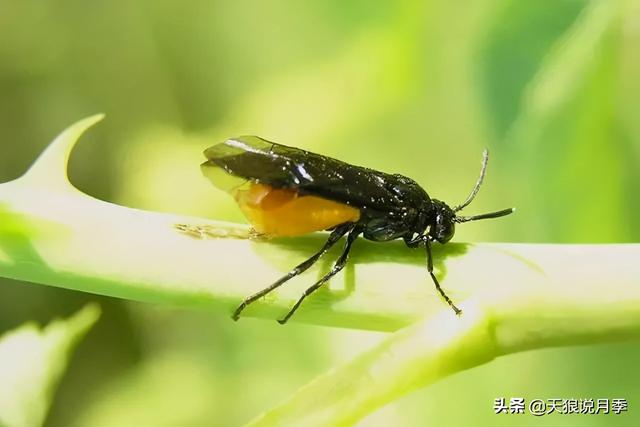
253,158
279,166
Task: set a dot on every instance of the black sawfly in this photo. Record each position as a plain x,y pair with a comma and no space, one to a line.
286,191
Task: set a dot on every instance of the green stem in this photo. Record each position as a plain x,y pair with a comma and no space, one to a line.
578,295
53,234
514,297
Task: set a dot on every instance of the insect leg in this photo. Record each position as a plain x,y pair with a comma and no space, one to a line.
427,244
302,267
339,265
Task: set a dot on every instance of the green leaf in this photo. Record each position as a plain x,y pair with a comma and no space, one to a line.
517,43
568,136
32,361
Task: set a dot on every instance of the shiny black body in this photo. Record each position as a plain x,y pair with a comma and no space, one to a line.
391,206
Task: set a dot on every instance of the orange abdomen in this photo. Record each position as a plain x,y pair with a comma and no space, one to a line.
282,212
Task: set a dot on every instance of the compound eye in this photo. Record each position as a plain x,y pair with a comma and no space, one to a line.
444,229
449,231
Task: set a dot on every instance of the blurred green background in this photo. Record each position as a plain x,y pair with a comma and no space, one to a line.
552,88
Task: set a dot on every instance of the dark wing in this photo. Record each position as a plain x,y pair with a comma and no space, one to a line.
257,160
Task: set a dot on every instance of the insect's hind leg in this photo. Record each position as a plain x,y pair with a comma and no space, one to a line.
427,244
335,235
339,265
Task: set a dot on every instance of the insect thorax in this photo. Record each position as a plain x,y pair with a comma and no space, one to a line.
412,211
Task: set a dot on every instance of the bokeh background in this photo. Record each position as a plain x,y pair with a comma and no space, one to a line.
552,88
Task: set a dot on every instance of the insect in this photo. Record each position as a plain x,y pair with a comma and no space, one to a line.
286,191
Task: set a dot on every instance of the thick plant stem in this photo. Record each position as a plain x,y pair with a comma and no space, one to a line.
514,297
53,234
570,303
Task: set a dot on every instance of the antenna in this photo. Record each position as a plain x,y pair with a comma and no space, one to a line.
496,214
476,188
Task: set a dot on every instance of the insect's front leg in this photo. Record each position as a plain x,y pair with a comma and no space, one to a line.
427,244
